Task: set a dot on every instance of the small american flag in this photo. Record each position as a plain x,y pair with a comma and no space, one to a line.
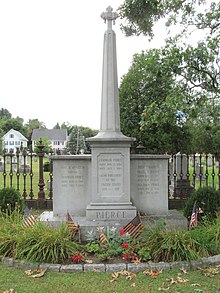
102,236
194,219
72,226
28,219
134,228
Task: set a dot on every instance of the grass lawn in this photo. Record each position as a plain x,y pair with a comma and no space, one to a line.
207,280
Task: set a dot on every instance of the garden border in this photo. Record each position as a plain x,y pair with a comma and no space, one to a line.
101,267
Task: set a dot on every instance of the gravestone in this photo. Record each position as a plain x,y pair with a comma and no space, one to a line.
108,187
182,187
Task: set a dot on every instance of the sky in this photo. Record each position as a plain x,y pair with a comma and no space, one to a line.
51,58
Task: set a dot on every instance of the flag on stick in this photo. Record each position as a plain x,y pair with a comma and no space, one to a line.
72,226
28,219
134,228
194,219
102,236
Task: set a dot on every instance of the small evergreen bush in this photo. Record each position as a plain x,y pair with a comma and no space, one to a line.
208,200
9,199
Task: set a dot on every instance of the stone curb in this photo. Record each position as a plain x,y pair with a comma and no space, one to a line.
130,267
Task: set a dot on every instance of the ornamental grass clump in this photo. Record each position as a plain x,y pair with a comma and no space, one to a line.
10,231
37,243
43,243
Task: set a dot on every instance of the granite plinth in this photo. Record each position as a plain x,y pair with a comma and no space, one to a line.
172,220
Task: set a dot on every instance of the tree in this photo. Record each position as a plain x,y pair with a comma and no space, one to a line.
4,113
47,145
195,68
149,100
140,16
57,126
33,124
77,139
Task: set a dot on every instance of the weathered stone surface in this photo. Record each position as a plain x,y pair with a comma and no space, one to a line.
137,267
159,266
9,261
214,259
25,265
71,268
94,268
196,263
71,184
149,183
115,267
180,265
50,267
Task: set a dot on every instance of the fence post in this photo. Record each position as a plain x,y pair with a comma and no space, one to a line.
41,193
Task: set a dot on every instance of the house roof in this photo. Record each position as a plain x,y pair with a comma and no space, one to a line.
51,134
19,135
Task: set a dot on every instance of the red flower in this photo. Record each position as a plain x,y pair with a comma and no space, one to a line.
124,245
122,231
76,258
126,256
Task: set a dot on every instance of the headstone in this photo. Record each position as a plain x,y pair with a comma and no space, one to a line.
182,187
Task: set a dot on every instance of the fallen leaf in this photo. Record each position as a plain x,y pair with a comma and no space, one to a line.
163,289
38,273
136,261
171,281
133,285
89,261
196,285
9,291
28,272
152,274
181,280
130,276
184,271
209,272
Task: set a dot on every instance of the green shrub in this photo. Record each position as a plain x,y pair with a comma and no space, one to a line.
9,232
47,166
43,243
9,199
208,200
208,236
172,246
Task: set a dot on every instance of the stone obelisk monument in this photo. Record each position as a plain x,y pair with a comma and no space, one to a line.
110,199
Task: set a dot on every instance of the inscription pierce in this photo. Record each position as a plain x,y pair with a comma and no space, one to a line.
110,215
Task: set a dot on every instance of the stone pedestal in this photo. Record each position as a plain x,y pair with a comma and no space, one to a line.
71,184
110,198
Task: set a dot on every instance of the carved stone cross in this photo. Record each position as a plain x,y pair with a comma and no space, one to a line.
109,16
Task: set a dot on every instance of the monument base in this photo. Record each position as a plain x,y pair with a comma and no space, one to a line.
111,212
173,220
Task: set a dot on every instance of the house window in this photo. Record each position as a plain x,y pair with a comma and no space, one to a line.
6,142
11,135
17,143
11,142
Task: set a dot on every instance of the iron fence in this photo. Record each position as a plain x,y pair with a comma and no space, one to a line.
185,173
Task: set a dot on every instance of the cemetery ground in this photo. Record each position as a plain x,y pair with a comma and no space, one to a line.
45,245
205,280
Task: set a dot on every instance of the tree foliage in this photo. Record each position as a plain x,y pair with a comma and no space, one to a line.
183,102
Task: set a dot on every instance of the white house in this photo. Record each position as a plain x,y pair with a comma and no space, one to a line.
13,140
57,137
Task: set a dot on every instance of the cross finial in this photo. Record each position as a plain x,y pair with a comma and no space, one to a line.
109,16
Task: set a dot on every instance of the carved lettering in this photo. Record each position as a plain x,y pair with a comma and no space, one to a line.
110,174
110,215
